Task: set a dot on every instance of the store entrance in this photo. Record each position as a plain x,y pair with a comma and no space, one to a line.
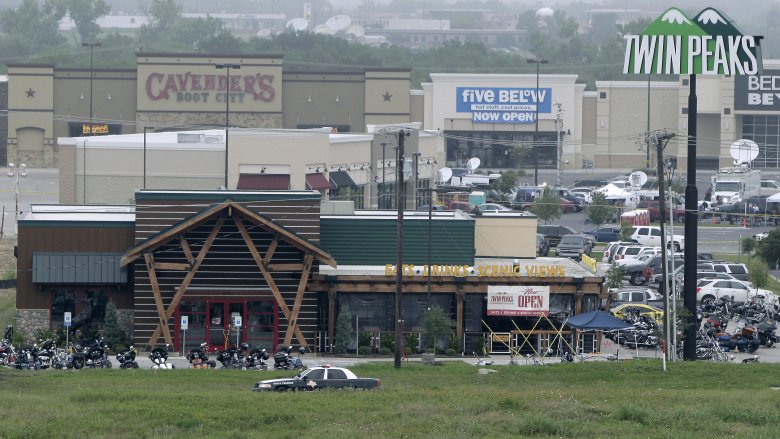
212,321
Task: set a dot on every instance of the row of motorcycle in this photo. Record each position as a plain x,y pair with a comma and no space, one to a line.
92,353
756,324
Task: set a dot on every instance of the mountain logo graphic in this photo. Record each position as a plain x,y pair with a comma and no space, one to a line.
708,44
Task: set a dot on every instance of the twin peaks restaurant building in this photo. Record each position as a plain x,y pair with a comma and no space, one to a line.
268,269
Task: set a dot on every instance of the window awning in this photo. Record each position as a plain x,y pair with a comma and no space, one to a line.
341,179
264,182
360,176
78,268
317,182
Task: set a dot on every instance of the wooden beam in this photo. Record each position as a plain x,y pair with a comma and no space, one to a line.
271,250
266,275
286,267
149,258
172,266
188,278
185,246
307,261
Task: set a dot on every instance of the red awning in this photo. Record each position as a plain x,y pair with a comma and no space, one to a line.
264,181
317,182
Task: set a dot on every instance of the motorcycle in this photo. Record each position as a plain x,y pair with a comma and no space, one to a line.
36,356
256,359
126,358
159,357
284,360
766,332
7,351
231,358
199,358
90,353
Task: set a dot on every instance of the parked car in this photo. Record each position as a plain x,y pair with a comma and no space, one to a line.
583,193
434,208
739,271
609,253
632,310
651,235
554,232
634,295
318,378
493,207
769,187
542,246
605,234
639,272
573,246
708,290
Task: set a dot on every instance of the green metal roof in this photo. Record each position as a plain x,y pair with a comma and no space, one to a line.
361,240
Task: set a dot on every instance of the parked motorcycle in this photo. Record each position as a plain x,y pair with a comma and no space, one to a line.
284,360
7,351
159,357
256,359
231,358
199,357
90,352
766,332
126,358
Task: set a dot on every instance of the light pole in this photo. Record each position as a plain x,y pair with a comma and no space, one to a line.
382,195
558,146
538,62
16,171
416,170
91,75
145,128
227,68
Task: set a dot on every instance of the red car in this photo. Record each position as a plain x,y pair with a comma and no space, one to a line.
567,206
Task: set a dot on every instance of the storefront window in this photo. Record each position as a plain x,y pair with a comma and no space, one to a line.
62,302
765,131
505,150
370,310
414,307
349,193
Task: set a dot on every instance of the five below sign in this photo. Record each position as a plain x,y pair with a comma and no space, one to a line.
708,44
504,300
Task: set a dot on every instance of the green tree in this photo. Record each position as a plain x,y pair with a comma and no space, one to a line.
30,29
749,245
614,276
599,211
626,230
435,323
113,334
506,183
548,207
85,14
769,249
758,272
343,330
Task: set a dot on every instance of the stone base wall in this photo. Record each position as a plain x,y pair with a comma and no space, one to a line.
29,321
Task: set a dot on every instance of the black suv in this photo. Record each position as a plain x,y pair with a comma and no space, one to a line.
553,232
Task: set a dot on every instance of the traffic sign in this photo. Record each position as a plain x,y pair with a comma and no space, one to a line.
185,323
237,321
67,319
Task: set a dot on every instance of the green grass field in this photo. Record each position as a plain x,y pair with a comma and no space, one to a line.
632,399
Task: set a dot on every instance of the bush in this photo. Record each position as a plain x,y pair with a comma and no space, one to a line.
44,334
477,344
113,334
19,338
386,351
411,341
450,352
364,350
758,272
387,343
343,330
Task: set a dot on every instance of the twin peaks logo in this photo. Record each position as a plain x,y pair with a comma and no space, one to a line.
708,44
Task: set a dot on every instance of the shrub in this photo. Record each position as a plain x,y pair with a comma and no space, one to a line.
758,272
44,334
343,330
477,344
365,340
450,352
364,350
113,334
411,341
385,351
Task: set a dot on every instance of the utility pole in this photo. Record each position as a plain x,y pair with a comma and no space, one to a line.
661,139
227,67
558,146
399,281
538,62
691,222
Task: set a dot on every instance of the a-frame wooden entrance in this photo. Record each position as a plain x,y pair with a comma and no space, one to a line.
222,214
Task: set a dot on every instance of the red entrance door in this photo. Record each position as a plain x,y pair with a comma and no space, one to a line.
211,321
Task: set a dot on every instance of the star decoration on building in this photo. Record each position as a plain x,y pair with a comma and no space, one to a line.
387,96
30,92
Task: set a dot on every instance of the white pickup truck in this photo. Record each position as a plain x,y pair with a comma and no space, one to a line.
651,236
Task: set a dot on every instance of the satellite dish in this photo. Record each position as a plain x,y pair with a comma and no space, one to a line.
297,24
444,175
637,178
338,22
323,30
473,164
743,151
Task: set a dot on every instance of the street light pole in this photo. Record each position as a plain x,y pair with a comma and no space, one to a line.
227,68
145,128
381,196
91,75
538,62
